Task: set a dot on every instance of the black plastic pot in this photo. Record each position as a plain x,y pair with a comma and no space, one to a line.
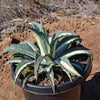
67,91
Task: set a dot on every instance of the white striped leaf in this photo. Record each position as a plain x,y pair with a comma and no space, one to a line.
64,33
41,70
16,55
58,68
76,51
27,76
36,25
50,74
46,63
45,37
54,43
40,28
68,74
53,46
40,40
20,67
19,46
39,60
17,49
66,44
50,38
31,45
15,60
66,66
22,46
64,40
21,55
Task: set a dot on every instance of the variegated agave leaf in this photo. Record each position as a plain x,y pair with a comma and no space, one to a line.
27,76
66,66
44,35
31,45
50,74
38,61
21,55
22,49
40,40
20,67
76,51
64,45
15,60
64,33
60,37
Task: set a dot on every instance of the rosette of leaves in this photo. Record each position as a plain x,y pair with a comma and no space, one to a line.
46,54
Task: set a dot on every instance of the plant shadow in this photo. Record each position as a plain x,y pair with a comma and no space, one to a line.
92,88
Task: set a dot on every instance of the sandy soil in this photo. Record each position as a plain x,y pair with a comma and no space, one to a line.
87,28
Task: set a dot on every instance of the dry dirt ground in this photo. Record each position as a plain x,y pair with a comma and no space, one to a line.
87,28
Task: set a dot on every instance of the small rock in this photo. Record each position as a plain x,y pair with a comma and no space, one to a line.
26,20
1,28
93,23
91,17
83,14
98,18
82,22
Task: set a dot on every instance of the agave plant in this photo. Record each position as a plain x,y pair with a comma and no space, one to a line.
46,54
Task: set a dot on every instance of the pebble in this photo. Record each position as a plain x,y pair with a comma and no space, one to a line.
1,28
93,23
91,17
26,21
